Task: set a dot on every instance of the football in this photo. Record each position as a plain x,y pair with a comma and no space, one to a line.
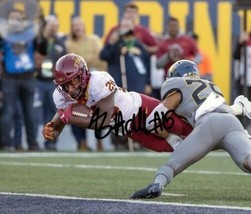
80,110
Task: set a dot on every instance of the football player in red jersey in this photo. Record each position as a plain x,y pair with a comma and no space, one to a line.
114,108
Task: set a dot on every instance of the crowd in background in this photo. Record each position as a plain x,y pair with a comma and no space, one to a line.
137,58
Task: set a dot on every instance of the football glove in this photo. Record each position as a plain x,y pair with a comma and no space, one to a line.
48,131
246,105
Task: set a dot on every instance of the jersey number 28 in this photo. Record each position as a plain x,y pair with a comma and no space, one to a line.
202,85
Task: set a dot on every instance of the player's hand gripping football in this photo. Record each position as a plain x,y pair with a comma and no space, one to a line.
49,132
246,105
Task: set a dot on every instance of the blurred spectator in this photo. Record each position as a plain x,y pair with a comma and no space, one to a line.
18,118
120,66
89,47
157,74
205,66
85,45
128,63
17,79
144,36
55,48
140,32
127,59
176,46
243,44
1,103
18,127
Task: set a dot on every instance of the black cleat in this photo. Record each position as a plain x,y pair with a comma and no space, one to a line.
152,191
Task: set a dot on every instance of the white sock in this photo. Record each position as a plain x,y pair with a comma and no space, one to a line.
164,176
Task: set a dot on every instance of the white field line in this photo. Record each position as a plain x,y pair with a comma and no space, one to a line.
172,194
107,167
127,201
98,154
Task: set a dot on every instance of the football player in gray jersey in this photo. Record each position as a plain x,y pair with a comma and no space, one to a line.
214,124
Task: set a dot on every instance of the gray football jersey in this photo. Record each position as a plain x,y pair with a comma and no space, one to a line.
193,93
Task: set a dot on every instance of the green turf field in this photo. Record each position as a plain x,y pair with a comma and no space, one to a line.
215,180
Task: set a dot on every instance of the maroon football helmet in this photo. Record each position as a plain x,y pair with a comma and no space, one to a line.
67,68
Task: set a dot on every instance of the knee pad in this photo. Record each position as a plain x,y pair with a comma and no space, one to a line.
247,163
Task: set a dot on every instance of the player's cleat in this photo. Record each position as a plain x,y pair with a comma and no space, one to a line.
152,191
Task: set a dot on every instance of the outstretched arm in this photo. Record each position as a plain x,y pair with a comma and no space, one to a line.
100,117
166,107
169,103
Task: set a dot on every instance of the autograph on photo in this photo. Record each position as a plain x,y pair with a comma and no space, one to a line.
136,124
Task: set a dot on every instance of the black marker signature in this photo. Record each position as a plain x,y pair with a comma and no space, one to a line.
136,124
